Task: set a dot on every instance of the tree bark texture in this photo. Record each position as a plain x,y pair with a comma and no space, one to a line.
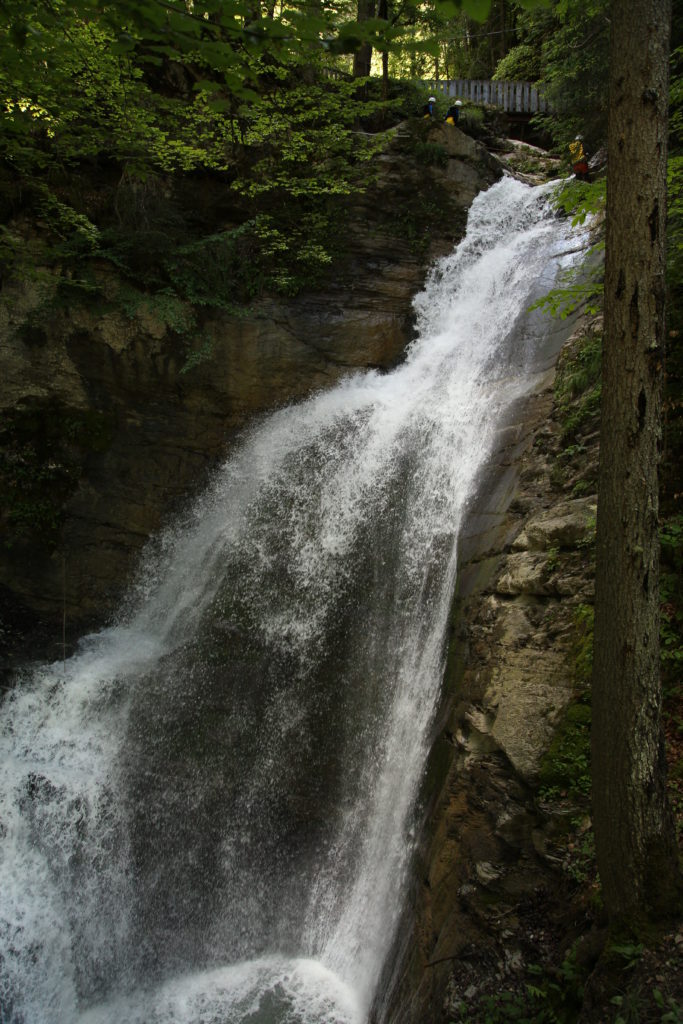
362,58
633,827
383,12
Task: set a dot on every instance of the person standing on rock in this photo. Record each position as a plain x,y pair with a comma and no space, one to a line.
578,158
453,114
429,107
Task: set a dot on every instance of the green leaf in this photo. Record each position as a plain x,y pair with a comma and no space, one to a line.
207,86
477,9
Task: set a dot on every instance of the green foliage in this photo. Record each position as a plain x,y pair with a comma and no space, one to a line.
472,116
234,266
672,1011
74,91
554,995
675,181
431,154
629,954
159,88
581,199
565,769
559,992
580,488
671,539
94,96
675,223
572,37
564,464
450,39
164,83
638,1001
572,295
220,269
581,287
197,356
506,1006
288,155
584,618
634,1007
671,596
302,140
522,63
163,307
553,559
578,385
42,448
550,996
673,419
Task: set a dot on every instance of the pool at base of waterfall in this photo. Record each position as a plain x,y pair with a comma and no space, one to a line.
272,990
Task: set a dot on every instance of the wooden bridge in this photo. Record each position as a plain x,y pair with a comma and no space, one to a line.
513,97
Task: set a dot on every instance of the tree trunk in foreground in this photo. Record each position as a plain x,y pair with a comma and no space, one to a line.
383,12
633,827
362,58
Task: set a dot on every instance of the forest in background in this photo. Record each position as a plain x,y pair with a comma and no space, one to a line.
104,104
270,101
109,109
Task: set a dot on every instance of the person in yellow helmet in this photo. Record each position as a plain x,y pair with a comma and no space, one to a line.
578,158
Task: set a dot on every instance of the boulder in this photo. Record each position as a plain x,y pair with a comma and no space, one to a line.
562,526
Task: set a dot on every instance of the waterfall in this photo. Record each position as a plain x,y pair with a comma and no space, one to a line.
207,812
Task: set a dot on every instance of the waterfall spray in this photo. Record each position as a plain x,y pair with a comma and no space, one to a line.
208,810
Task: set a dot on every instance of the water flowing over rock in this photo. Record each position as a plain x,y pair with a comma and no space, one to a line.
210,810
489,886
106,389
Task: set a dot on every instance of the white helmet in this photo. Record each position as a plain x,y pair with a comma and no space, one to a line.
458,103
432,99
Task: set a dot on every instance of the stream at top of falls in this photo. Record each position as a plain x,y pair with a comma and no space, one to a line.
208,811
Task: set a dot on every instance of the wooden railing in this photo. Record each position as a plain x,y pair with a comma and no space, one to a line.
514,97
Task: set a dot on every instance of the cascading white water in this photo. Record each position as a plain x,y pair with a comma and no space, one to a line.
206,812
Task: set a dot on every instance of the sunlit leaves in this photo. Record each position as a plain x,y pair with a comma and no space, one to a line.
477,9
161,82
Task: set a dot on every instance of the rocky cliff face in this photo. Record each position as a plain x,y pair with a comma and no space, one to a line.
107,425
494,876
